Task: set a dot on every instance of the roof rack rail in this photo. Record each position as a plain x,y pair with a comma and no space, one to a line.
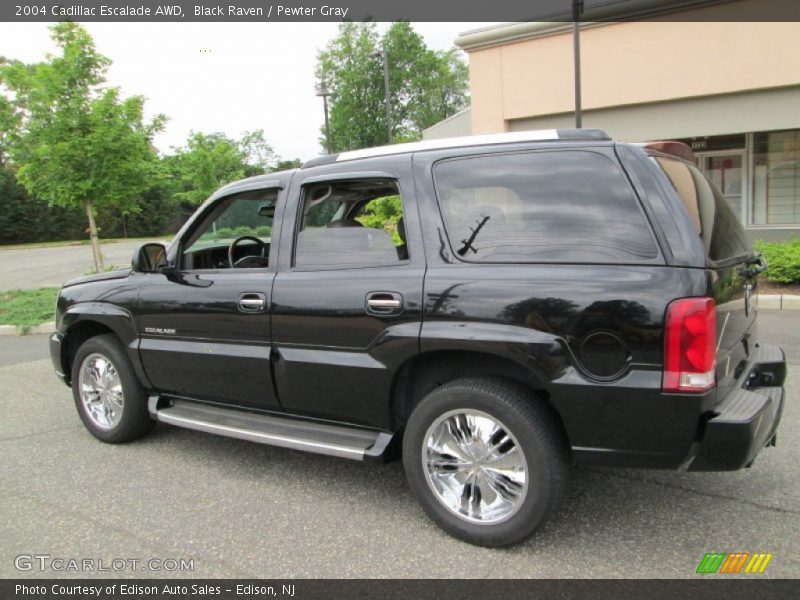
540,135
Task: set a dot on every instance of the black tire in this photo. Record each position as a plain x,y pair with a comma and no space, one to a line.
134,421
536,430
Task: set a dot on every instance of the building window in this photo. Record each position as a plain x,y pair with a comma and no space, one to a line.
776,178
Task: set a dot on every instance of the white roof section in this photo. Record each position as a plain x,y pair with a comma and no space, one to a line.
453,142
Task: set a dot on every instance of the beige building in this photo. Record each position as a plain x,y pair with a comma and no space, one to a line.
729,89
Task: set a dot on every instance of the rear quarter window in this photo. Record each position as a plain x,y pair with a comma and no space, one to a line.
720,230
548,206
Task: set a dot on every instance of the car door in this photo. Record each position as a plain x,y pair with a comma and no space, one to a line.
347,297
204,328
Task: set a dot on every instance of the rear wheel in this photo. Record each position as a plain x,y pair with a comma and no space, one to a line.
107,394
486,460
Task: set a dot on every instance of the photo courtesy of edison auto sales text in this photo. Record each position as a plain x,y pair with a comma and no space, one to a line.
136,590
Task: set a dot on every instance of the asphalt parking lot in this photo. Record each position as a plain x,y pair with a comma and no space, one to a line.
27,268
243,510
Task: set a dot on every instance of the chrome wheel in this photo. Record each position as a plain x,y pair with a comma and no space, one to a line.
101,391
475,466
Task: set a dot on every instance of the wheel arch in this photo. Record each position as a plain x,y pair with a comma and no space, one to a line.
425,372
85,321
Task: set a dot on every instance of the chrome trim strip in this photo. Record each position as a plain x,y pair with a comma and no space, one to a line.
261,438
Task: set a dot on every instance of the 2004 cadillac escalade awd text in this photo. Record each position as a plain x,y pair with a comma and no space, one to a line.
492,309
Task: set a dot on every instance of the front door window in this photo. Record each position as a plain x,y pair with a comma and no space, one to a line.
236,233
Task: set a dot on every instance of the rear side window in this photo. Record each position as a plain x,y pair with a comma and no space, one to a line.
714,220
351,224
565,206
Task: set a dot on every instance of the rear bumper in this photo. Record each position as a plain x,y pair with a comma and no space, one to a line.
56,341
747,419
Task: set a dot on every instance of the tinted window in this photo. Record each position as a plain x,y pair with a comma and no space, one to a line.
351,224
246,214
568,206
714,220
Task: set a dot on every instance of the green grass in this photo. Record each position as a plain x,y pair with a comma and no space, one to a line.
26,308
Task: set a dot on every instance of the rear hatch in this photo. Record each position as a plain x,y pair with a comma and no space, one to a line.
730,263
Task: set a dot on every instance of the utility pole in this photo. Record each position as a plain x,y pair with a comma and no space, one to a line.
577,10
322,90
387,93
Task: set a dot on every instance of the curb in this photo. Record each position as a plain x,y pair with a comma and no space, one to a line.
766,301
779,301
48,327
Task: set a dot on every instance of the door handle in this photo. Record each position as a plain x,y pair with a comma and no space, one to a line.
252,302
384,303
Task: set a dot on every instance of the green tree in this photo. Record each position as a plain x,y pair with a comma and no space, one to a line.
258,154
383,213
79,142
206,162
9,123
210,160
27,219
426,85
286,165
352,71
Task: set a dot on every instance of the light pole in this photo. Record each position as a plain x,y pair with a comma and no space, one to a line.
322,90
577,9
386,91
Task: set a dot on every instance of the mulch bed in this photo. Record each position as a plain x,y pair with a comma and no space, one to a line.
768,287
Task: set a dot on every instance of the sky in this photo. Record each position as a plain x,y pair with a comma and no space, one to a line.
218,77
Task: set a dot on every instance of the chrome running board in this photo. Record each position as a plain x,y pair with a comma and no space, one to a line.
321,438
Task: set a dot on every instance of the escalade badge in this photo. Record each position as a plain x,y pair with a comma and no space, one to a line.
159,331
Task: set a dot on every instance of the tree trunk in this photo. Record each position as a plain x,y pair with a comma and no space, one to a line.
98,256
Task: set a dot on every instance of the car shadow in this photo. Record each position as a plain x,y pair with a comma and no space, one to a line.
606,504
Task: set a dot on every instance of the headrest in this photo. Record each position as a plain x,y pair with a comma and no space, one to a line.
343,223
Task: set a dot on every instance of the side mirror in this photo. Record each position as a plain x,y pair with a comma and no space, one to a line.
149,258
268,210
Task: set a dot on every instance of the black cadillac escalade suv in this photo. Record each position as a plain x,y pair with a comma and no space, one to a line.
492,309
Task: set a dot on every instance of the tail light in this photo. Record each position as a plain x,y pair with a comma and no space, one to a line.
690,345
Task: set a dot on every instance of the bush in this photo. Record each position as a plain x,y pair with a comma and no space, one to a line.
224,233
264,231
243,230
783,259
383,213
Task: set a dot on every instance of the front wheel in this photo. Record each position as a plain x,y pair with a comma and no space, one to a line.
107,394
487,461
